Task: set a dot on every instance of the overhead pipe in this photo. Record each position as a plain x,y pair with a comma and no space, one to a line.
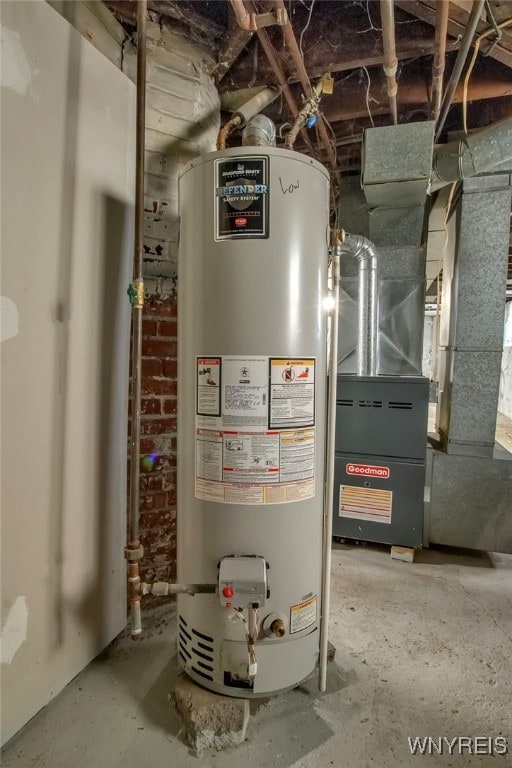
276,67
336,250
465,45
307,112
298,63
134,550
366,254
479,152
390,65
442,14
251,22
244,113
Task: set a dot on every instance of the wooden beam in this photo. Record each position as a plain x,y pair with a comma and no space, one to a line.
173,9
489,81
339,41
425,10
413,91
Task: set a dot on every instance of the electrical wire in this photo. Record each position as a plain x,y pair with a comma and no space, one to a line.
503,25
368,96
305,27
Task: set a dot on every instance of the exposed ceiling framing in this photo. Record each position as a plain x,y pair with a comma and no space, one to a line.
344,38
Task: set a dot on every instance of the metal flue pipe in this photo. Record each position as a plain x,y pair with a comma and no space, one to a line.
366,254
442,9
467,39
479,152
134,550
387,15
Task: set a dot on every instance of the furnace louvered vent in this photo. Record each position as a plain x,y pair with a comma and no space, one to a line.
348,403
370,403
402,405
196,648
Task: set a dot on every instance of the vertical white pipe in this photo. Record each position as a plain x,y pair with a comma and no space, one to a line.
329,481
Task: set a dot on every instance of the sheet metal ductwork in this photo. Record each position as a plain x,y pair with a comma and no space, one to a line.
477,153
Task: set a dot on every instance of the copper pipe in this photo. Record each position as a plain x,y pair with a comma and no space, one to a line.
134,550
387,15
298,63
442,9
467,39
245,20
226,130
268,49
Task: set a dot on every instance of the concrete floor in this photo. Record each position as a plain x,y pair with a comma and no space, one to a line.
422,650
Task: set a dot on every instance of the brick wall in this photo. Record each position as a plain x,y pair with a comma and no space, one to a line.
158,441
180,95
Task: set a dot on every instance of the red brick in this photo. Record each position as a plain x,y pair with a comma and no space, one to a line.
154,385
160,445
168,308
151,406
151,366
167,328
154,463
158,348
169,405
152,501
171,368
158,426
149,327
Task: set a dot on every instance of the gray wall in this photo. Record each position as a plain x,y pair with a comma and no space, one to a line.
67,195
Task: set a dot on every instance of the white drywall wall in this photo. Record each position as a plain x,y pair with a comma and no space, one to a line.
67,196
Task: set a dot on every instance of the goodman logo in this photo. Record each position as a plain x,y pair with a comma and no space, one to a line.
367,470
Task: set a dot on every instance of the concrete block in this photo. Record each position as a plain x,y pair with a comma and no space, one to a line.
402,553
210,720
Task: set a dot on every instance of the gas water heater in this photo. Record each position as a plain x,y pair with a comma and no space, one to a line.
251,417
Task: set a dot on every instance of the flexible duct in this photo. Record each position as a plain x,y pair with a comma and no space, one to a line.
365,252
477,153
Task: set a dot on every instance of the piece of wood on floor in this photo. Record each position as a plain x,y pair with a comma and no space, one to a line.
402,553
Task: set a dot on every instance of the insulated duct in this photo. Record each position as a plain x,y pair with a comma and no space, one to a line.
365,252
477,153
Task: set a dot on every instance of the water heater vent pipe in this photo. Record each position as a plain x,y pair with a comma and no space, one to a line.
245,112
366,253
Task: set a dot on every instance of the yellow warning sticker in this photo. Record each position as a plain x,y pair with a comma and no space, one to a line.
362,503
303,615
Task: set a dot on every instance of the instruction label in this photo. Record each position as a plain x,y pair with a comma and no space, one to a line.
239,459
292,393
365,503
303,615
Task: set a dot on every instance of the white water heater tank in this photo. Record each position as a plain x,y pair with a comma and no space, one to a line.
252,277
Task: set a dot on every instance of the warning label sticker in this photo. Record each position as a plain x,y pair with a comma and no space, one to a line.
208,386
239,459
292,393
303,615
365,503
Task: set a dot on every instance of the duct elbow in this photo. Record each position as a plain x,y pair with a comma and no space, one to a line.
361,248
